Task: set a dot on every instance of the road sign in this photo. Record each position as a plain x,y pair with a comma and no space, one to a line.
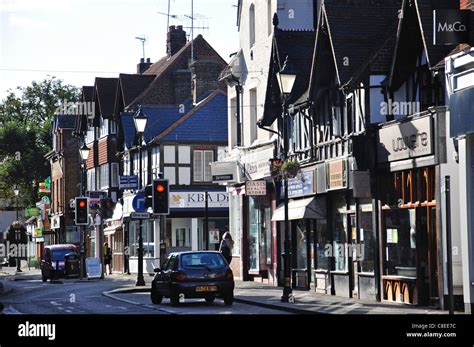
128,182
139,215
138,203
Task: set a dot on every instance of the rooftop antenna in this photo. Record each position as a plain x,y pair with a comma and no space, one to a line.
142,39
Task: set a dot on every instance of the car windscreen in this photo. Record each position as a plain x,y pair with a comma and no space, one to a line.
206,260
58,254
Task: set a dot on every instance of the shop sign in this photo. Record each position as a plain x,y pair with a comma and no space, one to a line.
213,236
32,212
337,174
45,200
450,26
55,222
301,185
38,232
405,140
39,239
187,199
225,172
256,188
257,164
93,268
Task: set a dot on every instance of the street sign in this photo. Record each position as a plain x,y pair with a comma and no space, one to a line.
139,215
138,203
128,182
93,268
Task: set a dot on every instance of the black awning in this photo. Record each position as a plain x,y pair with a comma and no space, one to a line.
461,109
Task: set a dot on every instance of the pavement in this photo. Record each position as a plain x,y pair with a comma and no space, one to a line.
305,302
249,293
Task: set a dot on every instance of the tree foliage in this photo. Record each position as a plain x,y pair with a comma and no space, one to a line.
26,116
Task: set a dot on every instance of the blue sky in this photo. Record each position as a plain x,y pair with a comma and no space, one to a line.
48,37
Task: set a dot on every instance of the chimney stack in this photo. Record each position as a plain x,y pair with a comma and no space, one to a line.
142,66
176,39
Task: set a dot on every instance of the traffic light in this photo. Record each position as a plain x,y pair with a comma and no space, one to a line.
160,195
82,211
148,197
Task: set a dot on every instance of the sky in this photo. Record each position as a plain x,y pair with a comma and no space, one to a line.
78,40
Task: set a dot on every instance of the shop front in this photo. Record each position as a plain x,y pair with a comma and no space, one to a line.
198,219
409,196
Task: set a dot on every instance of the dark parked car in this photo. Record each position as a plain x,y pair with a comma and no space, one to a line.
59,261
198,274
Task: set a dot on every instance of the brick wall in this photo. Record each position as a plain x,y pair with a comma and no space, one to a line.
182,85
467,4
71,171
205,77
107,149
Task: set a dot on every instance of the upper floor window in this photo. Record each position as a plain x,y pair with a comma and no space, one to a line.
202,160
114,175
126,164
104,176
252,25
253,115
104,127
112,127
90,136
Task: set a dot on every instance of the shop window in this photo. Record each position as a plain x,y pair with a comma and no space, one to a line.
321,240
366,238
253,238
400,242
300,243
235,230
268,236
340,237
183,237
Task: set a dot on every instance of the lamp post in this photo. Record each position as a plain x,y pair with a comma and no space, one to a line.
286,80
140,121
84,152
16,190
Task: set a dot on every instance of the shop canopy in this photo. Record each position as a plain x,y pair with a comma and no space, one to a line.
110,230
310,208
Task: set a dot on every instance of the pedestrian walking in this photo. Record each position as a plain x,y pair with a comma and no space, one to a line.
226,246
107,258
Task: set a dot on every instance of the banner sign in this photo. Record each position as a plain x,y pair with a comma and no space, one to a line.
450,26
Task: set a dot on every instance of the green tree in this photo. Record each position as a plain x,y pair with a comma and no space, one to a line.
26,115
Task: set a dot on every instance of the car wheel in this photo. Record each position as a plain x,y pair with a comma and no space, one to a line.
228,299
174,298
210,299
155,297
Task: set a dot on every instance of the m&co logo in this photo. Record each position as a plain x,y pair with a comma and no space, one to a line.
449,28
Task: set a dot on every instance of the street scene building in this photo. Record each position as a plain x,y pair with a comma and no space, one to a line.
327,157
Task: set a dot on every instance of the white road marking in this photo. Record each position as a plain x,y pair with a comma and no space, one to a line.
11,310
55,303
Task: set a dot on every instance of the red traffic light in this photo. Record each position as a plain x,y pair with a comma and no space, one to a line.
82,204
160,188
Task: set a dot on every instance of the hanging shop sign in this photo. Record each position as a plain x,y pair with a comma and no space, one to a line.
405,140
226,172
451,26
336,174
56,222
38,232
256,188
188,199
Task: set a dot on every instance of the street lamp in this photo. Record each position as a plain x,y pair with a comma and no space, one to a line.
140,121
84,152
16,190
286,80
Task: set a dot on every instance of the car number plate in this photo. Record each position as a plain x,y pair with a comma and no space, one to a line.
206,289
